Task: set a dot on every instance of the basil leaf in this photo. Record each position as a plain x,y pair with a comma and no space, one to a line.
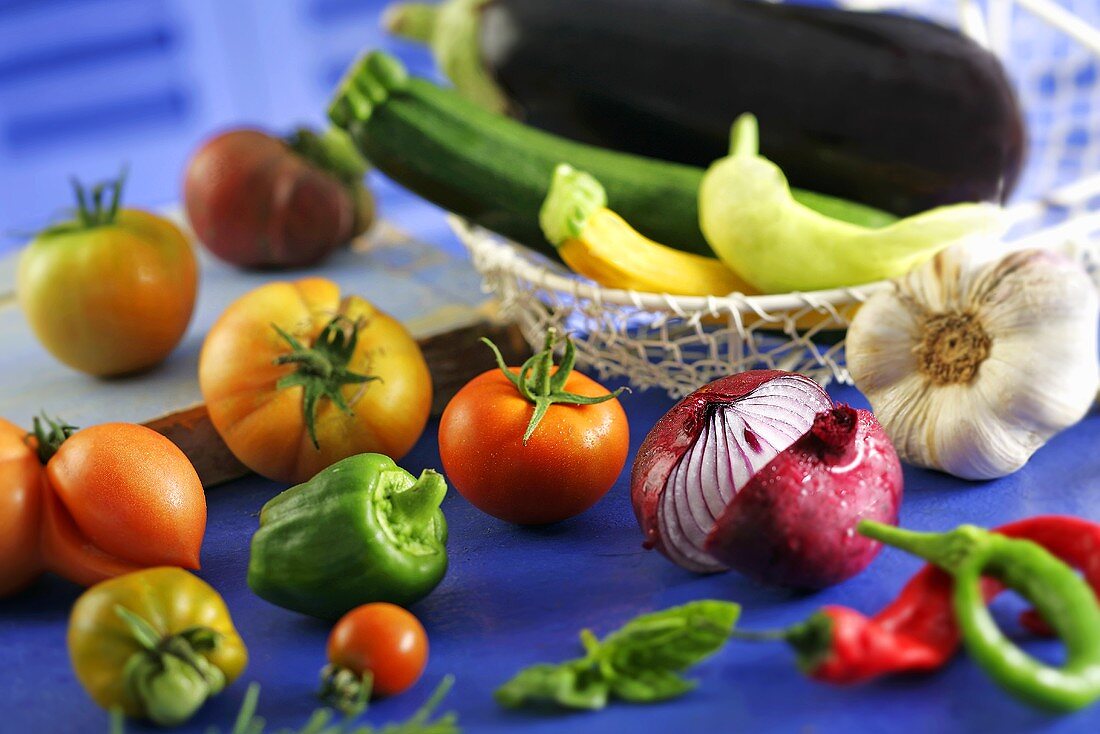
670,640
638,663
577,684
648,686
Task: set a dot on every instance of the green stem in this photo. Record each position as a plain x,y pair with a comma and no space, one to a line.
946,550
141,630
322,368
415,505
344,690
538,384
769,635
167,676
411,21
745,136
333,152
49,435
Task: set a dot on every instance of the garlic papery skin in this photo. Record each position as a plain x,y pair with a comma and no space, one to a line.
972,368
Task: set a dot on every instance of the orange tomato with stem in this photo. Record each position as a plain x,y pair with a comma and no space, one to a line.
112,291
534,444
20,509
297,377
96,503
120,497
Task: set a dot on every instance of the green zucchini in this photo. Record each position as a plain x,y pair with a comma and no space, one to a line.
496,172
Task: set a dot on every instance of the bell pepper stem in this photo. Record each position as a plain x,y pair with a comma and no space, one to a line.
415,505
745,136
411,21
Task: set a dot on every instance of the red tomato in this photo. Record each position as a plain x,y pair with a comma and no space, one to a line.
570,461
258,201
384,639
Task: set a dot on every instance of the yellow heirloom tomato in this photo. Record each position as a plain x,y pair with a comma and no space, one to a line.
297,377
156,643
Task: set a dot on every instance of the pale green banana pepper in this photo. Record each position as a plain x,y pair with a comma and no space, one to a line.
762,233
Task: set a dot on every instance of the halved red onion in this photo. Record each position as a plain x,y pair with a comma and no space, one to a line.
707,448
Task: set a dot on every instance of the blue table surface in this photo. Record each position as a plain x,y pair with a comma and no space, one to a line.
515,596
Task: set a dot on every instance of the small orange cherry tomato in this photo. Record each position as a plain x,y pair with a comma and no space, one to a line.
296,378
20,509
383,639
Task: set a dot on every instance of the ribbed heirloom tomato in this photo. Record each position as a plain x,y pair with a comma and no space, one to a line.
534,444
296,378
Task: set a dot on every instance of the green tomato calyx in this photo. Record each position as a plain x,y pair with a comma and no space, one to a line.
323,368
169,678
97,206
344,690
49,434
540,385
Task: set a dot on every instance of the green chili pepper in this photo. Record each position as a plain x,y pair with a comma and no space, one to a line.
363,530
1063,599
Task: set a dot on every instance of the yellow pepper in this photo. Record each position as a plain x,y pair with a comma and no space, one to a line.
156,643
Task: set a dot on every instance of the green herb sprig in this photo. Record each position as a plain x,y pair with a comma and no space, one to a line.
321,721
639,663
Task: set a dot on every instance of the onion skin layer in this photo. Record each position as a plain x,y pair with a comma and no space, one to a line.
794,523
674,434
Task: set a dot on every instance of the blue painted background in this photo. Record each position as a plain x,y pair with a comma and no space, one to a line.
88,84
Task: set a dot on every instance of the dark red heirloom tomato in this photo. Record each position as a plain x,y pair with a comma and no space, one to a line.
259,201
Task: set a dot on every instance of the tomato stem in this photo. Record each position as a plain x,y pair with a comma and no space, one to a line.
49,435
345,691
539,384
97,206
322,368
168,676
331,151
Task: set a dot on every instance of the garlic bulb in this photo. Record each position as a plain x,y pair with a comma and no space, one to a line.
972,368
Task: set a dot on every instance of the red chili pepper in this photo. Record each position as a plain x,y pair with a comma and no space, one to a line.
917,631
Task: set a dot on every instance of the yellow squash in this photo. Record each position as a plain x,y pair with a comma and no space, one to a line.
598,244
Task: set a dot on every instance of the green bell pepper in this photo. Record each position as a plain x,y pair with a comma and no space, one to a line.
363,530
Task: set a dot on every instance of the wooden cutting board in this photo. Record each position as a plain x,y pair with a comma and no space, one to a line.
435,294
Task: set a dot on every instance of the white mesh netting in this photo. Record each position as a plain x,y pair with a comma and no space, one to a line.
676,343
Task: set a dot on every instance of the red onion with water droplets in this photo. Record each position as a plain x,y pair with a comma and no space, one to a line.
794,523
758,471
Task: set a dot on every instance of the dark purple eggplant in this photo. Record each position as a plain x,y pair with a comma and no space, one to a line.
892,111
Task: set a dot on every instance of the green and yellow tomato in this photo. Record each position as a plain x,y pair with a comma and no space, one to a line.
112,291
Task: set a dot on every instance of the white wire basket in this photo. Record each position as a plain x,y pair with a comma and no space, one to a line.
677,343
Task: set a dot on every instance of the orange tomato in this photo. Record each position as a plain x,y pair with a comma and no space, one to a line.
20,509
111,298
384,639
120,497
263,420
570,461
